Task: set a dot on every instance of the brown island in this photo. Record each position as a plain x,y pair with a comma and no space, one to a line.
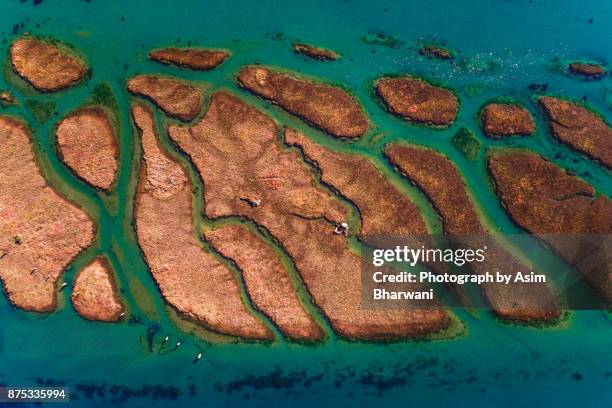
48,67
200,59
587,69
443,184
544,199
235,149
327,107
267,281
416,100
40,232
95,294
317,53
579,128
88,145
176,97
506,119
198,285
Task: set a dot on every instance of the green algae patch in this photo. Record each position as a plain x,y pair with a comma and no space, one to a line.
467,143
103,95
378,38
41,111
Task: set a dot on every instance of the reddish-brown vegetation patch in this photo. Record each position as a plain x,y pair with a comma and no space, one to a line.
88,146
505,119
45,66
418,101
176,97
199,59
192,280
95,295
587,69
542,198
315,52
267,281
579,128
235,149
40,232
327,107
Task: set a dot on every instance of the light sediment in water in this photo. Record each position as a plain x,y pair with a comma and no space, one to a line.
327,107
235,149
266,280
94,295
191,279
88,145
47,67
40,232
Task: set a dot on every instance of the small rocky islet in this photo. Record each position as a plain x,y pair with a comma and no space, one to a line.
587,69
316,53
436,51
248,172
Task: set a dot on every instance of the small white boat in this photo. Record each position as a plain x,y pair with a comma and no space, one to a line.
199,356
166,339
63,285
178,344
122,314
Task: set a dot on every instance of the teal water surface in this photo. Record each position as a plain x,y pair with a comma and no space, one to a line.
503,46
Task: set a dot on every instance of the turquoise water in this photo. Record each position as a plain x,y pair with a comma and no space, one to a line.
503,46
